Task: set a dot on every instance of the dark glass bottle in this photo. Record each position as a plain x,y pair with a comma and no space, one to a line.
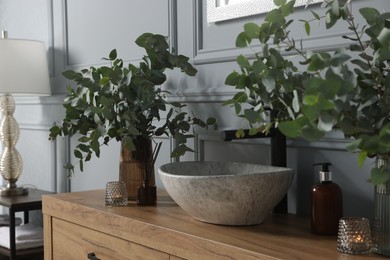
326,204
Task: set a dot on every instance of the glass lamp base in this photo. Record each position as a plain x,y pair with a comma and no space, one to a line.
6,191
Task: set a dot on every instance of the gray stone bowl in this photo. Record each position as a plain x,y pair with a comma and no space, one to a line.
226,193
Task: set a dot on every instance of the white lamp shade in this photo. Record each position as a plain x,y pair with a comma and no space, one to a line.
23,68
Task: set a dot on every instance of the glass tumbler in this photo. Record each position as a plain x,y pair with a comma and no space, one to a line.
116,194
354,235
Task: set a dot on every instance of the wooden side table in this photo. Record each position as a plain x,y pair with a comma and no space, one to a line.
22,203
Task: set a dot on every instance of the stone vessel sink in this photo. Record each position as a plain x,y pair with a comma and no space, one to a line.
226,193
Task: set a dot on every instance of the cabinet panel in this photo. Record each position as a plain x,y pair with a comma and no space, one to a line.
166,231
71,241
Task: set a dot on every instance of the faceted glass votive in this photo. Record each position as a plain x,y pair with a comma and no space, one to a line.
116,194
354,235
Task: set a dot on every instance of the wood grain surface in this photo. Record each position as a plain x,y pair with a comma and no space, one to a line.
169,229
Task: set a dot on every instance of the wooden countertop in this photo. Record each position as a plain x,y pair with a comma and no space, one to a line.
168,228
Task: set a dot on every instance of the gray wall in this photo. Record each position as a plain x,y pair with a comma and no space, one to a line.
78,33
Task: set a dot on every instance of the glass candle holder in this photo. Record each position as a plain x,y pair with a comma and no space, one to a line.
116,194
354,235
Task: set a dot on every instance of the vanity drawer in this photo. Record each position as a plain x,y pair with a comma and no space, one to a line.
71,241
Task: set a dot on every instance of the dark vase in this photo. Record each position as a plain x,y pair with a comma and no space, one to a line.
136,169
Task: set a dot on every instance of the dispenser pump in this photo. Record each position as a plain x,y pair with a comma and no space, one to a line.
325,174
326,203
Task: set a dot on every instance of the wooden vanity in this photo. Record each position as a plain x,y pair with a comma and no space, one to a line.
78,225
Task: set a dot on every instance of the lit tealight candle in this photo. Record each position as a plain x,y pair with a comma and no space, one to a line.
354,236
359,239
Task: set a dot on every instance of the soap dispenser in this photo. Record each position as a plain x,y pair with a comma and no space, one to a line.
326,203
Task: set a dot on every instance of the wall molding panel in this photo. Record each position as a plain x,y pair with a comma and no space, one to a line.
203,55
332,141
74,20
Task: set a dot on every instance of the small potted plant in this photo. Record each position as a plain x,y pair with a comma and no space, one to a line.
347,89
123,103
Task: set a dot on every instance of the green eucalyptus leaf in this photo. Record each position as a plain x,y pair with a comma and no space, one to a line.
107,114
273,16
312,113
371,144
184,126
315,15
113,54
181,150
180,138
339,58
84,139
133,130
70,168
354,145
287,9
363,65
384,53
370,14
77,153
379,176
240,133
335,8
237,108
190,71
243,62
295,101
54,132
243,40
252,30
280,2
384,138
72,75
331,19
81,165
384,36
251,115
253,131
232,79
258,67
318,62
325,123
104,81
240,97
325,103
307,28
361,158
95,146
107,102
312,134
88,157
211,121
128,143
228,102
269,83
311,100
355,47
83,147
290,128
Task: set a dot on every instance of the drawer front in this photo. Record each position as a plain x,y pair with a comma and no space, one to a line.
71,241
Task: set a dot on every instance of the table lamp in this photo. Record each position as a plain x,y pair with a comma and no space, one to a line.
23,71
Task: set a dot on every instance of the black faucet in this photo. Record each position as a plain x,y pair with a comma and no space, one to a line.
278,153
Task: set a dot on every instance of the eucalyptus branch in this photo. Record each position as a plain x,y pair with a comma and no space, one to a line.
70,167
129,99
